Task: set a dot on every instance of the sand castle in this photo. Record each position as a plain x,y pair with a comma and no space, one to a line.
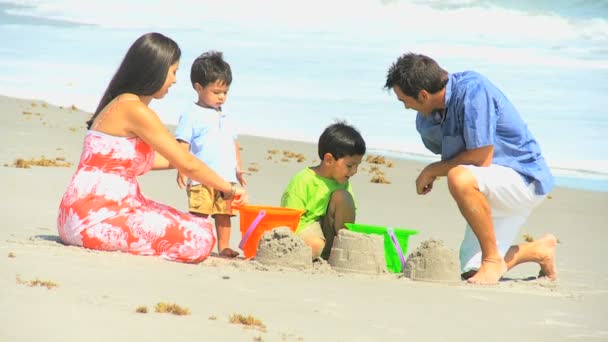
432,261
358,253
351,252
280,246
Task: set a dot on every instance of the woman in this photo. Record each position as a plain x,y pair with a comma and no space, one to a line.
103,207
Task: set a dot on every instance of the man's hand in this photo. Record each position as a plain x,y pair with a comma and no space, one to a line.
424,182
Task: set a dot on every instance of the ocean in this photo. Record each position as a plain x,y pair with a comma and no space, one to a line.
299,66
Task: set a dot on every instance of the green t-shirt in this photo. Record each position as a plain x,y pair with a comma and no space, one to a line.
310,192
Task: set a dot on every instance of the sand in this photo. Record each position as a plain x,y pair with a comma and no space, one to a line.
96,294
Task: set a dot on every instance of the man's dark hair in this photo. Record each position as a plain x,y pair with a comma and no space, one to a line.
209,68
341,140
413,73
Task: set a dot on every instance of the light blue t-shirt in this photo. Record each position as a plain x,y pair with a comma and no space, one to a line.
211,137
478,114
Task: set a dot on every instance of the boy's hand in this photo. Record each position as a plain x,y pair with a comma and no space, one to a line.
182,180
240,176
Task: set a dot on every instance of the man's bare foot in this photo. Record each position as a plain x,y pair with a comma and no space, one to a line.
229,253
468,274
489,273
546,249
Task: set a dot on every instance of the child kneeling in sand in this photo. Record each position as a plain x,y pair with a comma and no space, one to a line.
206,131
324,191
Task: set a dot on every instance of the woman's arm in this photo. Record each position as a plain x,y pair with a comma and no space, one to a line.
161,163
143,122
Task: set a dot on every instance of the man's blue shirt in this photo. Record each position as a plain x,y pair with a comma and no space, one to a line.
478,114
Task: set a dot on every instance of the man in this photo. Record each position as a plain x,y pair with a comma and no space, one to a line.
495,170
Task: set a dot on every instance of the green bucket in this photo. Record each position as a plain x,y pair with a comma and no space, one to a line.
394,238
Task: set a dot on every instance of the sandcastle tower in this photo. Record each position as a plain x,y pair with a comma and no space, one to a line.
432,261
281,247
358,253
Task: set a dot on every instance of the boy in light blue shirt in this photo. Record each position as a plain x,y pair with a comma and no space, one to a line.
208,134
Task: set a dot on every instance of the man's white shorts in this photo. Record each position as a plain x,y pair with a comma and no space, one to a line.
511,202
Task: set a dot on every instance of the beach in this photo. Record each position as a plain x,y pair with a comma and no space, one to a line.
94,296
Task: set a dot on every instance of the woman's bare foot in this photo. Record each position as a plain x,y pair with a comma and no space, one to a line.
489,273
229,253
546,250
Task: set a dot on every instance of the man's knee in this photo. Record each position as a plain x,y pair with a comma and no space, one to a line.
460,179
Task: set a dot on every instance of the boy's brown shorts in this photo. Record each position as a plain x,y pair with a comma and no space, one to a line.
319,228
207,201
314,229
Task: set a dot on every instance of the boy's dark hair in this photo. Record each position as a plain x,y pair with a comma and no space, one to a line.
413,73
341,140
210,67
143,70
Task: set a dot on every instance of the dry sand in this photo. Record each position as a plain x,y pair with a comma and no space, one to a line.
97,293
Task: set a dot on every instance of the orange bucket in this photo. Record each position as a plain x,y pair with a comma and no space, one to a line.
256,219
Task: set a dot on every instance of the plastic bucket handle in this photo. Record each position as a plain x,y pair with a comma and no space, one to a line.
251,228
391,233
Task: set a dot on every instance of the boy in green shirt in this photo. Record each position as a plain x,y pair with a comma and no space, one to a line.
324,191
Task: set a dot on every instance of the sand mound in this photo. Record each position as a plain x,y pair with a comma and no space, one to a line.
358,253
432,261
280,246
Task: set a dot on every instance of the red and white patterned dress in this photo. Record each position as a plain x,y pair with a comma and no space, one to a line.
104,209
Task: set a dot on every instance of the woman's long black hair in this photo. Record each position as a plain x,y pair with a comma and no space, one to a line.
143,70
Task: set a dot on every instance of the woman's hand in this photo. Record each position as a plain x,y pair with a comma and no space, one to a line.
240,198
